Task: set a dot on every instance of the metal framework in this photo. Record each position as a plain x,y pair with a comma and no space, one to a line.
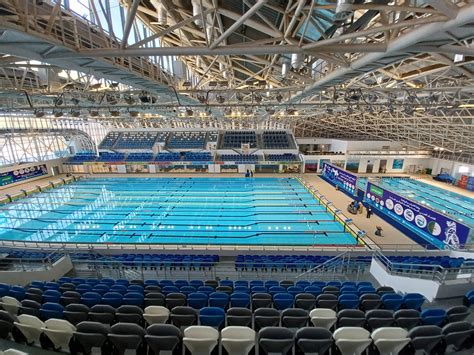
398,70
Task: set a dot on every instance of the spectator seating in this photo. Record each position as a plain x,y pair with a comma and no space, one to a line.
163,156
198,156
187,140
282,157
111,157
109,140
140,157
82,157
275,140
235,139
136,140
162,137
240,158
118,311
212,136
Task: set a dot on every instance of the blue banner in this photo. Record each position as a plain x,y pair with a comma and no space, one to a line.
13,176
434,227
340,177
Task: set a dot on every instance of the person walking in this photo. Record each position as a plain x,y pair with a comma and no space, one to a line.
369,211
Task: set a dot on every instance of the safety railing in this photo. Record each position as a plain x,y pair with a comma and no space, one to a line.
425,271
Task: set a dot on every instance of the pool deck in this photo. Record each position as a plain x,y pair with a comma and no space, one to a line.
392,237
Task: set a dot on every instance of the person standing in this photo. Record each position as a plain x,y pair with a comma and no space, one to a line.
369,211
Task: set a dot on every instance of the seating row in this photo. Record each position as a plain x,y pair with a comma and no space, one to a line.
236,340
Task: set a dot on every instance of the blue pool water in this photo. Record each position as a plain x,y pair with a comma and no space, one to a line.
450,203
270,211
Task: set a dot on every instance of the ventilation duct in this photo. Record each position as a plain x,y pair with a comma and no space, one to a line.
343,10
297,61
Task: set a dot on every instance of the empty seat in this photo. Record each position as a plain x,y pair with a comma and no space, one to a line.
102,313
382,290
275,340
305,301
175,299
425,337
197,300
326,301
294,318
91,335
390,340
413,300
433,316
352,340
350,318
239,299
126,336
392,301
219,299
76,313
90,299
261,300
407,318
457,334
163,337
129,314
154,299
323,317
348,301
283,300
60,332
70,297
30,326
200,340
266,317
457,313
156,314
10,304
51,310
30,307
370,301
6,324
314,340
239,316
113,299
212,316
183,316
238,340
378,318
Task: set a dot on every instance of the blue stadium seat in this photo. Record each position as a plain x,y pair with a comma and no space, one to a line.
90,299
238,299
413,301
53,296
433,316
198,300
219,299
113,299
212,316
283,301
392,301
51,310
348,301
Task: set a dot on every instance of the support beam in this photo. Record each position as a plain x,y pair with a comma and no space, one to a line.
128,25
445,6
237,50
238,23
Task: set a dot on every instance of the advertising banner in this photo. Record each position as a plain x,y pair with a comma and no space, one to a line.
340,177
13,176
397,164
435,227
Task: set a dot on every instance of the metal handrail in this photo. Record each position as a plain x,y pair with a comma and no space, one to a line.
323,265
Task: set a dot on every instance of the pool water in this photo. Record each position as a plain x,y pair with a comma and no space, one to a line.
266,211
450,203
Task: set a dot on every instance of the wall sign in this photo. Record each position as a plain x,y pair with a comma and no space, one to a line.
432,226
340,177
397,164
21,174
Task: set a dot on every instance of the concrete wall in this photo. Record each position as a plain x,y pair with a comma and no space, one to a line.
22,278
431,289
452,167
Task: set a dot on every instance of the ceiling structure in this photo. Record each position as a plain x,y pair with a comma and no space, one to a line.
398,70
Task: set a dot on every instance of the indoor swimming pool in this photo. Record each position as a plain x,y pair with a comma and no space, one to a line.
450,203
232,211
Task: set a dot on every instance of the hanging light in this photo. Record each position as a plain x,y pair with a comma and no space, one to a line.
39,113
297,61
